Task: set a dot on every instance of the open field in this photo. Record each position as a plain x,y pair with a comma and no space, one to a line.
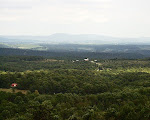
16,91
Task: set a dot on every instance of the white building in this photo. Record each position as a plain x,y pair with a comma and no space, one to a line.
86,59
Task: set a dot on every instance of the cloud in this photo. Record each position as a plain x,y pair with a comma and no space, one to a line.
117,17
45,16
54,11
18,4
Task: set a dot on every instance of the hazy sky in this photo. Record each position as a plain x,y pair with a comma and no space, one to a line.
120,18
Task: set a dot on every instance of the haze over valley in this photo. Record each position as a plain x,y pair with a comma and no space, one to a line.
74,59
61,38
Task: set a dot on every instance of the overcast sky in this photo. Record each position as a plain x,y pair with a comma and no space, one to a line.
119,18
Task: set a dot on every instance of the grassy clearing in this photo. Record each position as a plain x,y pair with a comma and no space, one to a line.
16,91
27,46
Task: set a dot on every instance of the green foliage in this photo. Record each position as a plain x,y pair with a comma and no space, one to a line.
76,107
77,91
24,63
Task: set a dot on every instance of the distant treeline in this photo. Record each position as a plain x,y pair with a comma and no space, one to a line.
20,58
69,55
23,63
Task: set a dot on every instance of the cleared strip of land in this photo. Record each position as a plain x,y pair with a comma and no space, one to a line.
16,91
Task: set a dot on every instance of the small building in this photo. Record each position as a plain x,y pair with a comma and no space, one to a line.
86,59
14,85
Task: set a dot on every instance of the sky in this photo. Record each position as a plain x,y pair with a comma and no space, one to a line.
118,18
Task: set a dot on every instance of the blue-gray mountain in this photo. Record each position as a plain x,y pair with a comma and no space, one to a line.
60,38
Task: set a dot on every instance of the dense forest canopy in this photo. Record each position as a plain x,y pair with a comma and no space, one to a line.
71,89
74,54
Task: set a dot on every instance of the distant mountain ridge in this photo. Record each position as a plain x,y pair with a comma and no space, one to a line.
61,38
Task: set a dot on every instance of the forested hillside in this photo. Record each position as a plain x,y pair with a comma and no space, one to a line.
57,89
71,54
